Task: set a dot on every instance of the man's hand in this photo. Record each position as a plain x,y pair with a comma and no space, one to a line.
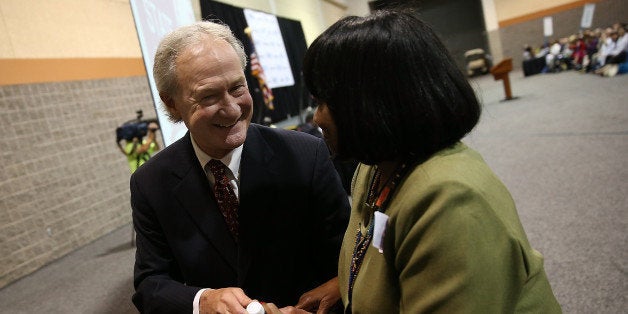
322,298
153,126
225,300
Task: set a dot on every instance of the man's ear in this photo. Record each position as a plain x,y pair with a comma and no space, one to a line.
170,106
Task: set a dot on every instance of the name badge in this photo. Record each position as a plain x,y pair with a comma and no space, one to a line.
379,229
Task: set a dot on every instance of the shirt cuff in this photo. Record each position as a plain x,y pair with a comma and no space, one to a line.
197,300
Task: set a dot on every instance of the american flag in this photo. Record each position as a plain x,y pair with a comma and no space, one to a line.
258,72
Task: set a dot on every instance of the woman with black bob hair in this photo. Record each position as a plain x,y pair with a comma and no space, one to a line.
392,87
432,228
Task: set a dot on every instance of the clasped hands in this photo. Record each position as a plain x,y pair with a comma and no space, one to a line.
233,300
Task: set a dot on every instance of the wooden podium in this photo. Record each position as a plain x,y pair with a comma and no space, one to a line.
500,72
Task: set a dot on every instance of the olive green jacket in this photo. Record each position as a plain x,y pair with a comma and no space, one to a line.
453,244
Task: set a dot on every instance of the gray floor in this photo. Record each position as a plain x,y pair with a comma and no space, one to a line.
560,148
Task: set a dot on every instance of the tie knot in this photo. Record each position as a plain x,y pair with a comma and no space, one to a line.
218,169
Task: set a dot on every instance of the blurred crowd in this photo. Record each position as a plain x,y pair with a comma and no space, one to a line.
601,51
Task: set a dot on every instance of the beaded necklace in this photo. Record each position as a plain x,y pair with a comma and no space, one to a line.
376,201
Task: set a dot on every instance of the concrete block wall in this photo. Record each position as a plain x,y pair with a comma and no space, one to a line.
63,182
565,23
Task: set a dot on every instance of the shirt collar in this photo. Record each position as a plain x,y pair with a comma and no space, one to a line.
232,159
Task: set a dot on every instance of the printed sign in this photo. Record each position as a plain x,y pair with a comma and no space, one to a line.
587,15
270,48
547,26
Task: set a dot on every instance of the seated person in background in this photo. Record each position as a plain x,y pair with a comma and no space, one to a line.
309,126
233,211
591,40
432,229
528,53
617,53
606,44
579,50
552,58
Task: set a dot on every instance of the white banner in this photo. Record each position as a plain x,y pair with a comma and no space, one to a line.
153,20
587,15
270,48
547,26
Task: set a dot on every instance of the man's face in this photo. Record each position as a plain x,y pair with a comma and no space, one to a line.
213,98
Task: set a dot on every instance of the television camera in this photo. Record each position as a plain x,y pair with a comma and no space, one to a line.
134,128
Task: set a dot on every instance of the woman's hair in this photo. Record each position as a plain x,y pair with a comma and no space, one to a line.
391,87
164,67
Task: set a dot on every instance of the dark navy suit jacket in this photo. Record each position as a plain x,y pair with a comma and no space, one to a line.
293,214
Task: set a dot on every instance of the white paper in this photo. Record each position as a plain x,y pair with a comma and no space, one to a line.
379,229
548,29
587,15
270,48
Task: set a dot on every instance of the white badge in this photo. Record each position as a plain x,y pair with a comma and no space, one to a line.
379,229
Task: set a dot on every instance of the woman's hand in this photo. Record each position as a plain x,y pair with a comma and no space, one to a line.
322,298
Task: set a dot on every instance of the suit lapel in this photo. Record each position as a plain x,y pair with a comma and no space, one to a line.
195,196
257,171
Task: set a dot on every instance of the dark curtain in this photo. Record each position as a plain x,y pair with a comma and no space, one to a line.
288,100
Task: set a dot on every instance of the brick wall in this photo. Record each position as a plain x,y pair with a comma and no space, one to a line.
565,23
63,182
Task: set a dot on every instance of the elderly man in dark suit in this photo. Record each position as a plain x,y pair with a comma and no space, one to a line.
233,211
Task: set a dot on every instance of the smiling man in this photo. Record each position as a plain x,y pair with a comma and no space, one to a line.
233,211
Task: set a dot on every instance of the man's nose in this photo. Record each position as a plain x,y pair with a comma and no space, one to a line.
230,107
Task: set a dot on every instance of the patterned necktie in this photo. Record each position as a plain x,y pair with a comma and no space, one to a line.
225,196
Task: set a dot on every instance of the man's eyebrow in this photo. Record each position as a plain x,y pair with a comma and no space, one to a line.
205,89
217,85
239,79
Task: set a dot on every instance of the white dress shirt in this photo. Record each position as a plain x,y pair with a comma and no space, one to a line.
232,160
